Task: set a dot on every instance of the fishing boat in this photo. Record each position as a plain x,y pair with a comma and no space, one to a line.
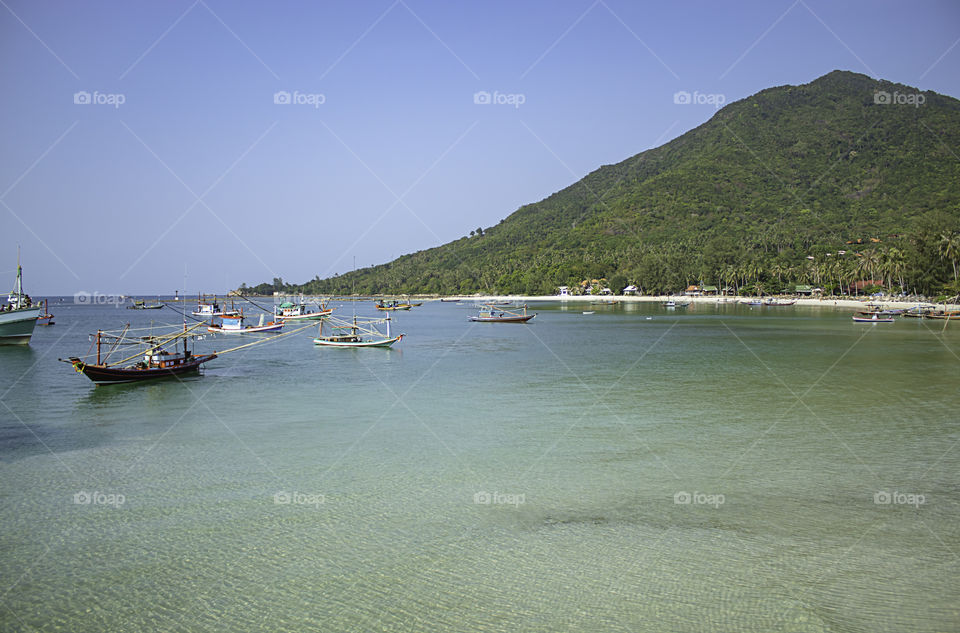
45,318
162,358
774,302
389,306
752,302
675,304
233,324
919,311
19,316
207,309
491,314
358,332
953,315
449,300
861,317
300,311
140,305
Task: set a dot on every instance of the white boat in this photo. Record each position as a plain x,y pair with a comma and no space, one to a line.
233,324
19,316
208,309
289,311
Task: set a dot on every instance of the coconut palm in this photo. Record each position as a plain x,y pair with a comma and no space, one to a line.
950,249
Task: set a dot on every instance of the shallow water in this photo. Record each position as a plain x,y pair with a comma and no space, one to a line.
714,468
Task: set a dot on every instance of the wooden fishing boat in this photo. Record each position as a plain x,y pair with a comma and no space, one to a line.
953,315
158,355
162,358
773,302
358,332
861,317
140,305
45,318
234,325
390,306
300,311
19,316
919,311
491,314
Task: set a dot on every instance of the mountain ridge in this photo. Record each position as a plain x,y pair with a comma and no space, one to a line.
770,180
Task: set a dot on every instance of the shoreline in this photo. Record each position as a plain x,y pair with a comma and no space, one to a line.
732,300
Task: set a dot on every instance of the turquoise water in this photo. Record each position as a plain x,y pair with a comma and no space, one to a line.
718,468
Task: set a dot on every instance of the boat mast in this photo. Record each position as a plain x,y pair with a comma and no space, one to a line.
98,347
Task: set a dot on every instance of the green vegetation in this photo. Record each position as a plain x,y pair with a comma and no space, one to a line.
743,201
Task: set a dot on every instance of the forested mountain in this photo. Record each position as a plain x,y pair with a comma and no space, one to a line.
748,198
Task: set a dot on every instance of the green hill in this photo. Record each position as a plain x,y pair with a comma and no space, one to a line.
747,198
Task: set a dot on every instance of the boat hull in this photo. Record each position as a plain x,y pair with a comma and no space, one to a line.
252,329
503,319
332,342
16,327
871,320
116,375
312,316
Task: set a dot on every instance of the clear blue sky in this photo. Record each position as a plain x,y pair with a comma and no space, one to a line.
199,175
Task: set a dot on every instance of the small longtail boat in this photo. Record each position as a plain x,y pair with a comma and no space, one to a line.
140,305
390,306
360,332
874,318
491,314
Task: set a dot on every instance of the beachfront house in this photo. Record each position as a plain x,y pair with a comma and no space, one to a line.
858,287
630,290
709,290
692,291
563,291
803,290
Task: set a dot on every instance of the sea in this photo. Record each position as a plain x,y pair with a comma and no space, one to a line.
710,468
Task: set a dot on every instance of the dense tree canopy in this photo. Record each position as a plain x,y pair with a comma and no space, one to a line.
826,183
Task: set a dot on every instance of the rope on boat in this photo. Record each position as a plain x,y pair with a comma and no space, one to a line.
254,303
263,340
160,341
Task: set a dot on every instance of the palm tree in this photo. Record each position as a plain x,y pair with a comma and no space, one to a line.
950,249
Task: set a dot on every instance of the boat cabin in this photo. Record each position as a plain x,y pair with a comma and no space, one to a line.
158,359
